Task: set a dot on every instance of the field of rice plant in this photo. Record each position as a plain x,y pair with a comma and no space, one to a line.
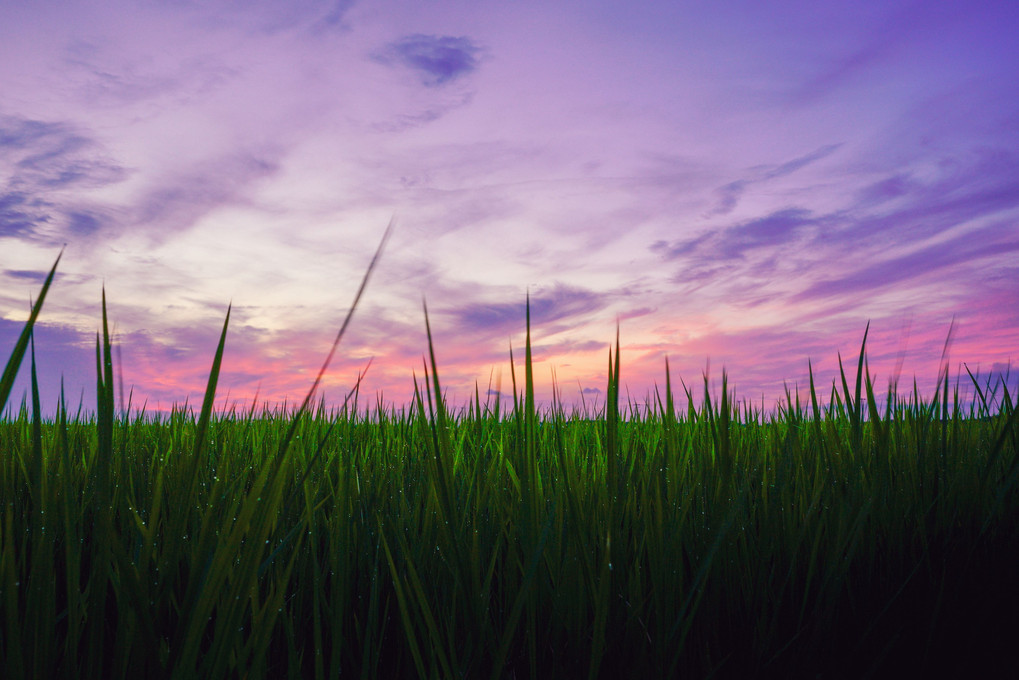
832,538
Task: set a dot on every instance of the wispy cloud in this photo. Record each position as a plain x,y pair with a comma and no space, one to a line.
317,15
888,189
736,242
43,162
21,215
907,229
548,308
41,155
789,167
964,189
730,193
32,275
177,201
992,242
111,81
874,47
270,17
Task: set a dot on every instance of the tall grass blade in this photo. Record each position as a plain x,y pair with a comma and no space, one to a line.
41,585
209,401
14,362
376,257
303,408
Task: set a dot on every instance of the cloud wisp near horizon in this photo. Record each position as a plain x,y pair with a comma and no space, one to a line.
738,185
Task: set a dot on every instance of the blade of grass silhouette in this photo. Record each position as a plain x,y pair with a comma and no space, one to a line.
40,619
14,362
210,389
943,379
38,479
350,313
339,336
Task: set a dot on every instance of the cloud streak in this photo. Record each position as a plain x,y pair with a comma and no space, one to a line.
553,308
730,194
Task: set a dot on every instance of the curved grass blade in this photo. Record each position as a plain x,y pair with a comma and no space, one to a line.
14,362
210,389
285,443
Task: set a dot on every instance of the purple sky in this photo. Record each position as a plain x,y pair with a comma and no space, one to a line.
748,183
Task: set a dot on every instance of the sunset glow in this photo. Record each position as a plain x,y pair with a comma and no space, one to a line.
736,185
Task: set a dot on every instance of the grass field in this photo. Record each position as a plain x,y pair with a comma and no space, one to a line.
831,538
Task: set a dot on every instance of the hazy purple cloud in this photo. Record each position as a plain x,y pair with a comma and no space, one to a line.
854,241
990,242
795,164
46,155
738,241
773,230
318,15
842,66
671,251
436,59
560,304
19,215
269,17
40,162
886,190
984,187
178,201
37,277
881,42
82,224
730,193
20,133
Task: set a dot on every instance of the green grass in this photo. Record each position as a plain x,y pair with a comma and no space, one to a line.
494,540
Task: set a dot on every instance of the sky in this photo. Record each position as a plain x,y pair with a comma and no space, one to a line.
733,185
